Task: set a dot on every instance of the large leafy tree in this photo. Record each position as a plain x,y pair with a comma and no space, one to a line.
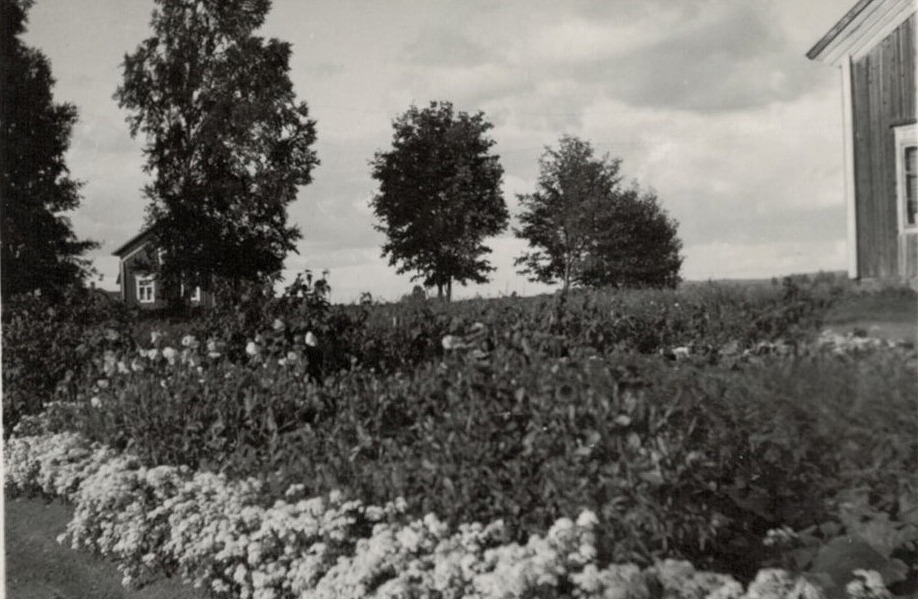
439,196
584,227
227,142
39,247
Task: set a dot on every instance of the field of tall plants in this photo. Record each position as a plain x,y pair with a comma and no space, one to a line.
710,441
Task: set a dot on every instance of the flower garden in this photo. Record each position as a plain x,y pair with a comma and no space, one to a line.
706,442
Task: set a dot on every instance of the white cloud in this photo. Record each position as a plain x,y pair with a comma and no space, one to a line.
713,104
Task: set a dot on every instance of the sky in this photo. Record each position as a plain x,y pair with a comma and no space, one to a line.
710,103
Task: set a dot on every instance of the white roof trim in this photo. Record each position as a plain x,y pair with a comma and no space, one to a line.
868,28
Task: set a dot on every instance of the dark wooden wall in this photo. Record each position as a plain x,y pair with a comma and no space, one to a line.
883,96
136,266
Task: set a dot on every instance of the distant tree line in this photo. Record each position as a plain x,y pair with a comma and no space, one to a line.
227,145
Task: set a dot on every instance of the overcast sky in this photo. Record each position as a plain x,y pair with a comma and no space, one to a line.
713,104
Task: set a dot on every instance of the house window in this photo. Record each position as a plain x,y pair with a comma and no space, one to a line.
195,296
910,184
146,289
907,176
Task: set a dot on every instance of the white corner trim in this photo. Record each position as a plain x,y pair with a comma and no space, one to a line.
850,191
906,135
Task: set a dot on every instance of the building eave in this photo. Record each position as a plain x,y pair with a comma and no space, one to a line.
131,243
861,29
836,29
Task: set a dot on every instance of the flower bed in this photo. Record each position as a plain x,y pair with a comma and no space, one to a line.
218,534
694,425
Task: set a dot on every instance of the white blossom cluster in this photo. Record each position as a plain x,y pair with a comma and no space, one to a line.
851,343
218,534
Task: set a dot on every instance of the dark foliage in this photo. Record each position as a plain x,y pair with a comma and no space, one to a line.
227,143
439,196
586,228
39,247
48,347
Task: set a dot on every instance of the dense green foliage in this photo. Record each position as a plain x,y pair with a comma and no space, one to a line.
227,143
584,227
439,196
38,245
49,346
694,423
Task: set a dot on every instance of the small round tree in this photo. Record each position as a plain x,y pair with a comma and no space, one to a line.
439,196
584,227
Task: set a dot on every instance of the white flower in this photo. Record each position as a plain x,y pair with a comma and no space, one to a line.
155,336
278,324
190,342
311,340
451,342
587,519
102,383
170,353
681,353
95,401
252,348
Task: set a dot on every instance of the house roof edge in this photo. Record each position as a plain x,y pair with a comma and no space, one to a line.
132,242
817,49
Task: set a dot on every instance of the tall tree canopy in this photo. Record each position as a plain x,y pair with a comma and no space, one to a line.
38,247
585,228
439,196
227,143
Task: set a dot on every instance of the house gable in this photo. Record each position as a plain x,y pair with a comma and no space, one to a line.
136,257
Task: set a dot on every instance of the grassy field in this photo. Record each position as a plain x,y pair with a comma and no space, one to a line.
37,567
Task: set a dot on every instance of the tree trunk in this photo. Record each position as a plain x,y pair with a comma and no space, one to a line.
439,291
449,289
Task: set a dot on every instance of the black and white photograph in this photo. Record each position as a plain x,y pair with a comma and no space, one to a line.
487,299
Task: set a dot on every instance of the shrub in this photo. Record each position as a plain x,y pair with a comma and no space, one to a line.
47,345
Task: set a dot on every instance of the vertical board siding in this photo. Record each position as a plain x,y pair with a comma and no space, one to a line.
883,95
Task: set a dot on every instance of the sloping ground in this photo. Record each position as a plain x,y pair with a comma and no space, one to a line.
37,567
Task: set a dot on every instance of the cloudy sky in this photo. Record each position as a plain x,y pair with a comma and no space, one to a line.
713,104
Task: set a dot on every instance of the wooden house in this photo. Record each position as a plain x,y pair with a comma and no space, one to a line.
874,46
140,287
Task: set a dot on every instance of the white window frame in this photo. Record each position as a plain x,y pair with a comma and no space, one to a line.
906,136
144,284
195,296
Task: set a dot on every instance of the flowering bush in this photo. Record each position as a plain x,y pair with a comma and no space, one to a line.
217,535
650,446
